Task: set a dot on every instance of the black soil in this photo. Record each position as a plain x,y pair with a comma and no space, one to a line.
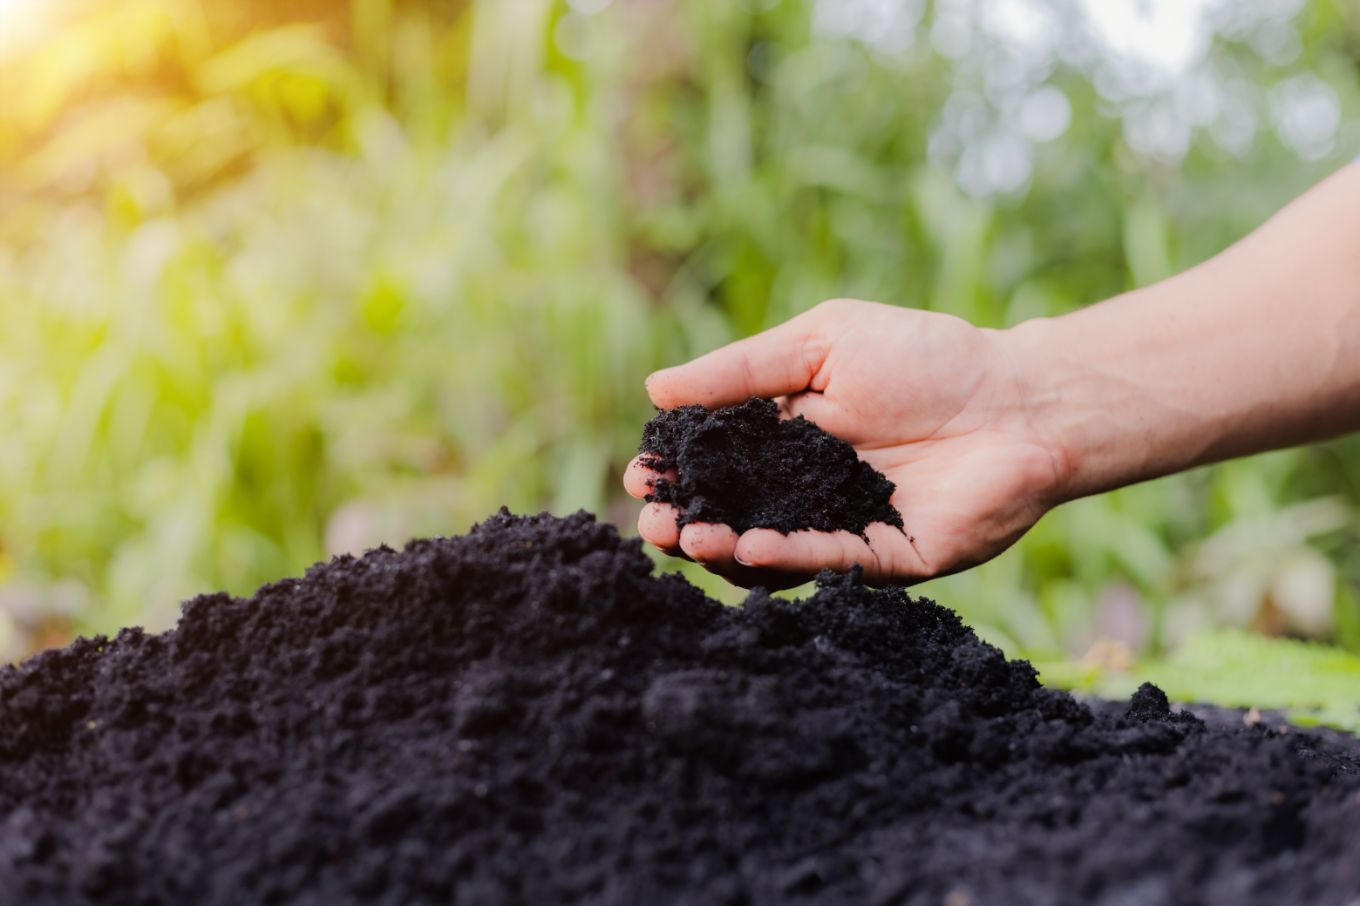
527,715
745,467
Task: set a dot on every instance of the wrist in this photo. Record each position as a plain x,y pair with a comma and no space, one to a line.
1114,402
1045,382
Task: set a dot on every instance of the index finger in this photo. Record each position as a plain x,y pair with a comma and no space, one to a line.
781,360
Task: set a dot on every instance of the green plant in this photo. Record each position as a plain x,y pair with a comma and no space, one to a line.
284,280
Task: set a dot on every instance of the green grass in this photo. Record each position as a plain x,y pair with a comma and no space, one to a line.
1314,684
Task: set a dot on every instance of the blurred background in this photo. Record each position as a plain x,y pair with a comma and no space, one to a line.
283,280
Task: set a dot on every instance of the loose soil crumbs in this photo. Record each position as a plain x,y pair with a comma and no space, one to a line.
525,714
745,467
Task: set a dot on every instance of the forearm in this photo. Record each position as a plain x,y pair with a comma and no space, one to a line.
1255,349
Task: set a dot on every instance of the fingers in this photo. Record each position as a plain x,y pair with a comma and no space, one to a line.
766,557
638,478
783,359
656,524
710,545
887,555
714,546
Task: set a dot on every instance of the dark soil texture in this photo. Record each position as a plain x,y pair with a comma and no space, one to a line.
745,467
525,714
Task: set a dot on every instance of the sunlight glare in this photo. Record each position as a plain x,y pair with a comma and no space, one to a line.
20,22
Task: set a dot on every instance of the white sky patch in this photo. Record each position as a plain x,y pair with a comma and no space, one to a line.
1045,114
1026,26
1167,38
1234,128
1153,129
1148,60
888,26
1306,114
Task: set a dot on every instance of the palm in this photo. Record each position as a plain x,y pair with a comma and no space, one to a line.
966,499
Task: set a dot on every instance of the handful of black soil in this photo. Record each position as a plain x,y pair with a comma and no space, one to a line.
526,715
747,468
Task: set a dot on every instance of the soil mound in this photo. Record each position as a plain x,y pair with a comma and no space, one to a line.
747,468
526,715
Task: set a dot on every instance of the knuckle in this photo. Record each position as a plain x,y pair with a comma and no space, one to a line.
812,352
838,305
842,310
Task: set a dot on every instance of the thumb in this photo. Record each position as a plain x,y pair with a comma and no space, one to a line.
781,360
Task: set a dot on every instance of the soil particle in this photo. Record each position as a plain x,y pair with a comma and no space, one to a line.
525,714
745,467
1149,703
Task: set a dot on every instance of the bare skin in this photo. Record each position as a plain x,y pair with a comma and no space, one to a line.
984,431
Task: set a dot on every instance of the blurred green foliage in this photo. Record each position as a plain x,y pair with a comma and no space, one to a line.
1313,684
280,280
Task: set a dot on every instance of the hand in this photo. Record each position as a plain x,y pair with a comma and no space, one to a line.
936,404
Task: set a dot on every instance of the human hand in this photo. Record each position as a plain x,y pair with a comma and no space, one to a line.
936,404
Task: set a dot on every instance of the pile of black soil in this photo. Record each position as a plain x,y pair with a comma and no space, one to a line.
526,715
745,467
